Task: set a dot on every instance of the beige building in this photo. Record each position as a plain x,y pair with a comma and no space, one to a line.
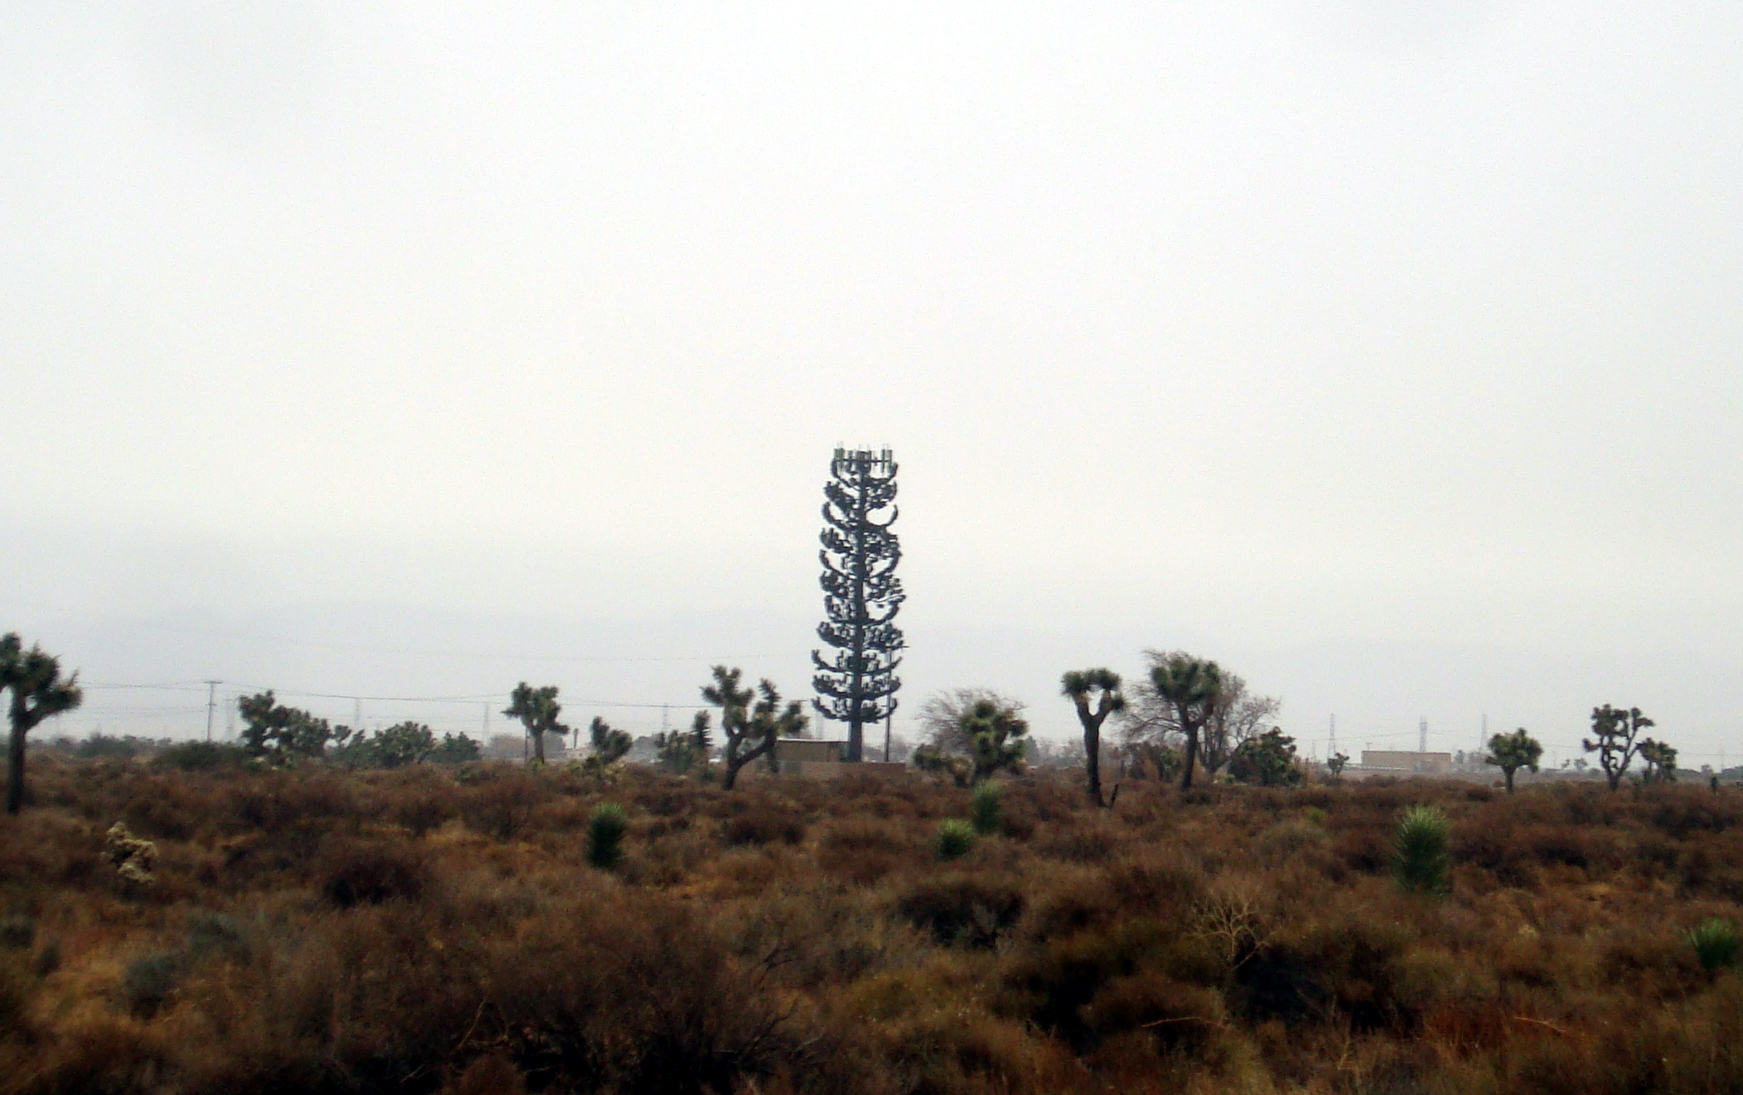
1400,762
814,758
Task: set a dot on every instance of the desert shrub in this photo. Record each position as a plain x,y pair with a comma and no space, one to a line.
491,1074
202,756
821,934
371,873
1419,847
99,1055
963,910
1084,838
1086,959
1713,865
48,958
1052,984
698,1020
214,935
1287,841
1179,1018
1514,852
502,806
955,839
148,981
17,931
606,827
764,824
100,746
1364,849
863,850
275,801
1682,812
1716,942
1346,966
984,810
48,848
423,806
1156,882
15,993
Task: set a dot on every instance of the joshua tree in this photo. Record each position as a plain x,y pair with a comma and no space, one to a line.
1237,715
974,733
537,709
38,691
609,745
1614,739
681,750
989,732
750,731
1660,761
1103,685
856,684
1267,759
402,744
284,734
1192,688
1511,752
455,749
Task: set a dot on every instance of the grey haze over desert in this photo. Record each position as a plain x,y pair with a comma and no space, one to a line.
1389,354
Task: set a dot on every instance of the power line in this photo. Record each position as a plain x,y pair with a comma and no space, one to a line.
143,625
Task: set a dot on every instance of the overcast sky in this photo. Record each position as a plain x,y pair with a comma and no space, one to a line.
1272,330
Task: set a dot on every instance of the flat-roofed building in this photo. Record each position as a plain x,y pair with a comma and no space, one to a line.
815,758
1401,762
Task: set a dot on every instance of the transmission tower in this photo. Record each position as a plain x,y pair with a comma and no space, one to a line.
856,683
211,705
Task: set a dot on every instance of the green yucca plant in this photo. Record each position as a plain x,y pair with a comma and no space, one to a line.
1420,859
955,838
1717,942
984,808
606,826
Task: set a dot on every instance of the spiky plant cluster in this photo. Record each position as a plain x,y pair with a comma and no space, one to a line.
606,827
985,808
1420,855
1716,942
955,838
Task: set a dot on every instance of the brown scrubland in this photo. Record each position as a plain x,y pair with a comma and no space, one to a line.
441,930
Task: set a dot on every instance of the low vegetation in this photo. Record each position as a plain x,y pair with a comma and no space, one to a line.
245,928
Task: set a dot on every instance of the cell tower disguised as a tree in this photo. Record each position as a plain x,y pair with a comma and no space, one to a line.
856,683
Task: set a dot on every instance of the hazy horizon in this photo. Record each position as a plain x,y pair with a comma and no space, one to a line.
1389,356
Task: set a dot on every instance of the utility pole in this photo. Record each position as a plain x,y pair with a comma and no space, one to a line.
1332,750
889,718
1422,736
211,705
